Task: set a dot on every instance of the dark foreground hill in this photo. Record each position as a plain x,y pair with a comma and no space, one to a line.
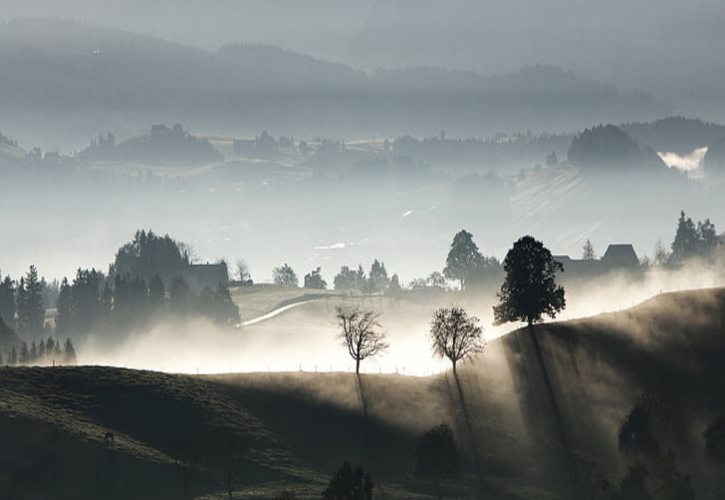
531,426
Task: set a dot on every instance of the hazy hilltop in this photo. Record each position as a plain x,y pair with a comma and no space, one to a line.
65,82
526,440
669,47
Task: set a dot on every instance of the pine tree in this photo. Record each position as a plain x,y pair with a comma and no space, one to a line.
13,358
588,251
33,355
64,311
7,301
24,358
31,311
69,353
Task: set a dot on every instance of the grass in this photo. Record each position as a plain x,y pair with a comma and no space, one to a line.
257,300
296,428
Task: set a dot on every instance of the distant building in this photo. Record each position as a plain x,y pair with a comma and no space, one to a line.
617,257
200,276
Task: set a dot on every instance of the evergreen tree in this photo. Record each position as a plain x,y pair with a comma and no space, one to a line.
85,301
41,350
33,356
24,357
31,311
7,301
64,308
69,353
378,280
13,357
686,242
588,251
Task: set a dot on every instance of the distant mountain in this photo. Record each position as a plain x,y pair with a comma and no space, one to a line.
675,134
69,81
608,149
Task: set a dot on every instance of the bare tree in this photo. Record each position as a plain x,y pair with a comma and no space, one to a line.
359,332
243,270
455,335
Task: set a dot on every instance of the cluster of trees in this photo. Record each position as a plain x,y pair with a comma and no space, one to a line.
164,145
95,303
693,240
528,293
376,281
466,264
22,306
45,352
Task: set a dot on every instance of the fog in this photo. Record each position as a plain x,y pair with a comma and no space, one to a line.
648,45
304,337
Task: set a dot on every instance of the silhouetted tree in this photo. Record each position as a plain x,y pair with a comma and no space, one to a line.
661,255
64,309
69,353
243,271
31,312
229,454
395,291
314,280
148,254
378,280
24,357
284,275
588,251
529,289
463,258
714,438
359,333
670,483
437,456
13,357
349,280
7,301
455,335
436,279
693,240
349,484
633,485
636,434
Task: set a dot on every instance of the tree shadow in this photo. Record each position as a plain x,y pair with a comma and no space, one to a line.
361,394
469,427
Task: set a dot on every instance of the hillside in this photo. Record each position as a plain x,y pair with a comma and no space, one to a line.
117,81
519,439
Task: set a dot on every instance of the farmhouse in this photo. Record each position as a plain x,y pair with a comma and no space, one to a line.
618,257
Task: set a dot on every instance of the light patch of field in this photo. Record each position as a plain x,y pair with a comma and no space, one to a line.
258,300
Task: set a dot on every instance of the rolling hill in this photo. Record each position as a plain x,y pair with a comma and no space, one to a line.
529,426
66,82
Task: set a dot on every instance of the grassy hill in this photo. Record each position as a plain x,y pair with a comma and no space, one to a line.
520,437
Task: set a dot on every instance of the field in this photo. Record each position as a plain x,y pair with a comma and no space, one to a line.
519,439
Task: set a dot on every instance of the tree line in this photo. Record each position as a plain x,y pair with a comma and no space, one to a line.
44,352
